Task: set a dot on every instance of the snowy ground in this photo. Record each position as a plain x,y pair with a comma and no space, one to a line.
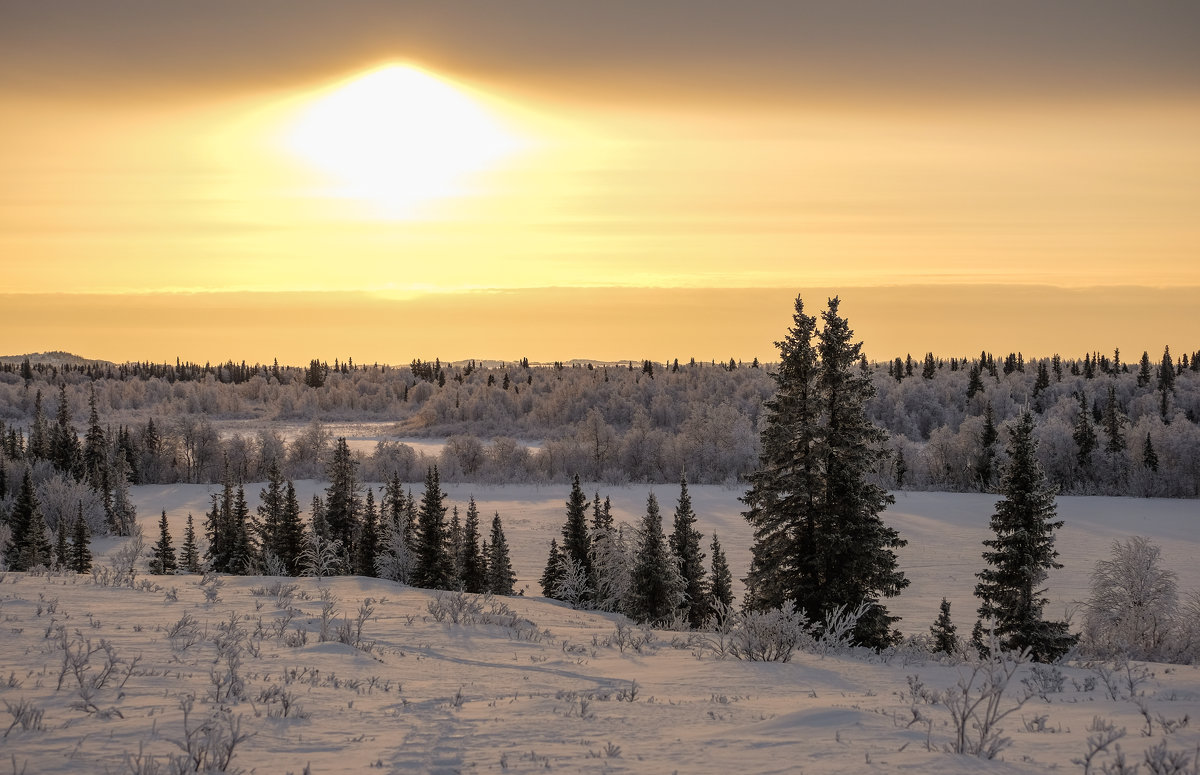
565,694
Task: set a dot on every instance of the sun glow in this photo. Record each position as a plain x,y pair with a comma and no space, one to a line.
399,137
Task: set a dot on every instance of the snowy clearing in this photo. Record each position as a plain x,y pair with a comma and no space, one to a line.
533,685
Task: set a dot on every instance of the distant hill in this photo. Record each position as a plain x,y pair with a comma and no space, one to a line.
55,358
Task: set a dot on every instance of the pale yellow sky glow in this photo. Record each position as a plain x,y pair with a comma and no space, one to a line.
394,179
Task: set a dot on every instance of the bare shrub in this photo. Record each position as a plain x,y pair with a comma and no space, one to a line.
25,715
977,701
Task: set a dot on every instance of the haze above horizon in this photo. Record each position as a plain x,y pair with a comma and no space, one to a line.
596,182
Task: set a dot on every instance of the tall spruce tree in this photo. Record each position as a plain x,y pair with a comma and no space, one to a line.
576,542
472,564
95,445
39,431
368,541
819,541
722,579
28,545
985,466
656,588
500,576
290,540
65,450
242,549
1084,436
163,560
269,519
685,545
343,507
1149,456
122,514
189,553
552,573
1114,421
434,567
1021,555
860,563
81,545
62,552
785,490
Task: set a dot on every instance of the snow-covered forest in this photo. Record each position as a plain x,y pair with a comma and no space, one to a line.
1103,425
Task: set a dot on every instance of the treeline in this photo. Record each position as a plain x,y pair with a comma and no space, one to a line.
636,422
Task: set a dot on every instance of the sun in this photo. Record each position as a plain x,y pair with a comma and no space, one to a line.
399,137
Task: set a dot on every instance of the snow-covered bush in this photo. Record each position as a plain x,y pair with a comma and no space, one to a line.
1133,610
758,636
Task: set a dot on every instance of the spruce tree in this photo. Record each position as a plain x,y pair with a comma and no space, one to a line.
65,451
685,545
974,383
1166,372
471,562
1021,554
552,573
27,544
1042,382
434,567
95,446
1114,420
290,541
500,576
722,579
343,506
241,547
368,542
657,588
81,549
786,487
163,560
1144,373
575,539
39,431
945,641
1149,456
601,514
819,541
62,552
454,548
986,464
122,514
269,520
1085,438
189,557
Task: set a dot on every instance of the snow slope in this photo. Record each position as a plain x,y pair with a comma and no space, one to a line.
540,686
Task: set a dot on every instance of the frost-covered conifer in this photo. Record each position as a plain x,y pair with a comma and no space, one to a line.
472,564
81,549
500,576
656,588
434,568
552,571
945,641
819,541
163,560
1021,554
685,545
189,558
722,579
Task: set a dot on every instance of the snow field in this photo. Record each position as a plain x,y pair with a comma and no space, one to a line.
539,685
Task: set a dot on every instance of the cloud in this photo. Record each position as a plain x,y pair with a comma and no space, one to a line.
770,48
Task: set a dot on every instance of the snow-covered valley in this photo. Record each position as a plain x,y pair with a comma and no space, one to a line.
93,676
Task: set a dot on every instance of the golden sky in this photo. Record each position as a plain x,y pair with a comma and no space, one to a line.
397,180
